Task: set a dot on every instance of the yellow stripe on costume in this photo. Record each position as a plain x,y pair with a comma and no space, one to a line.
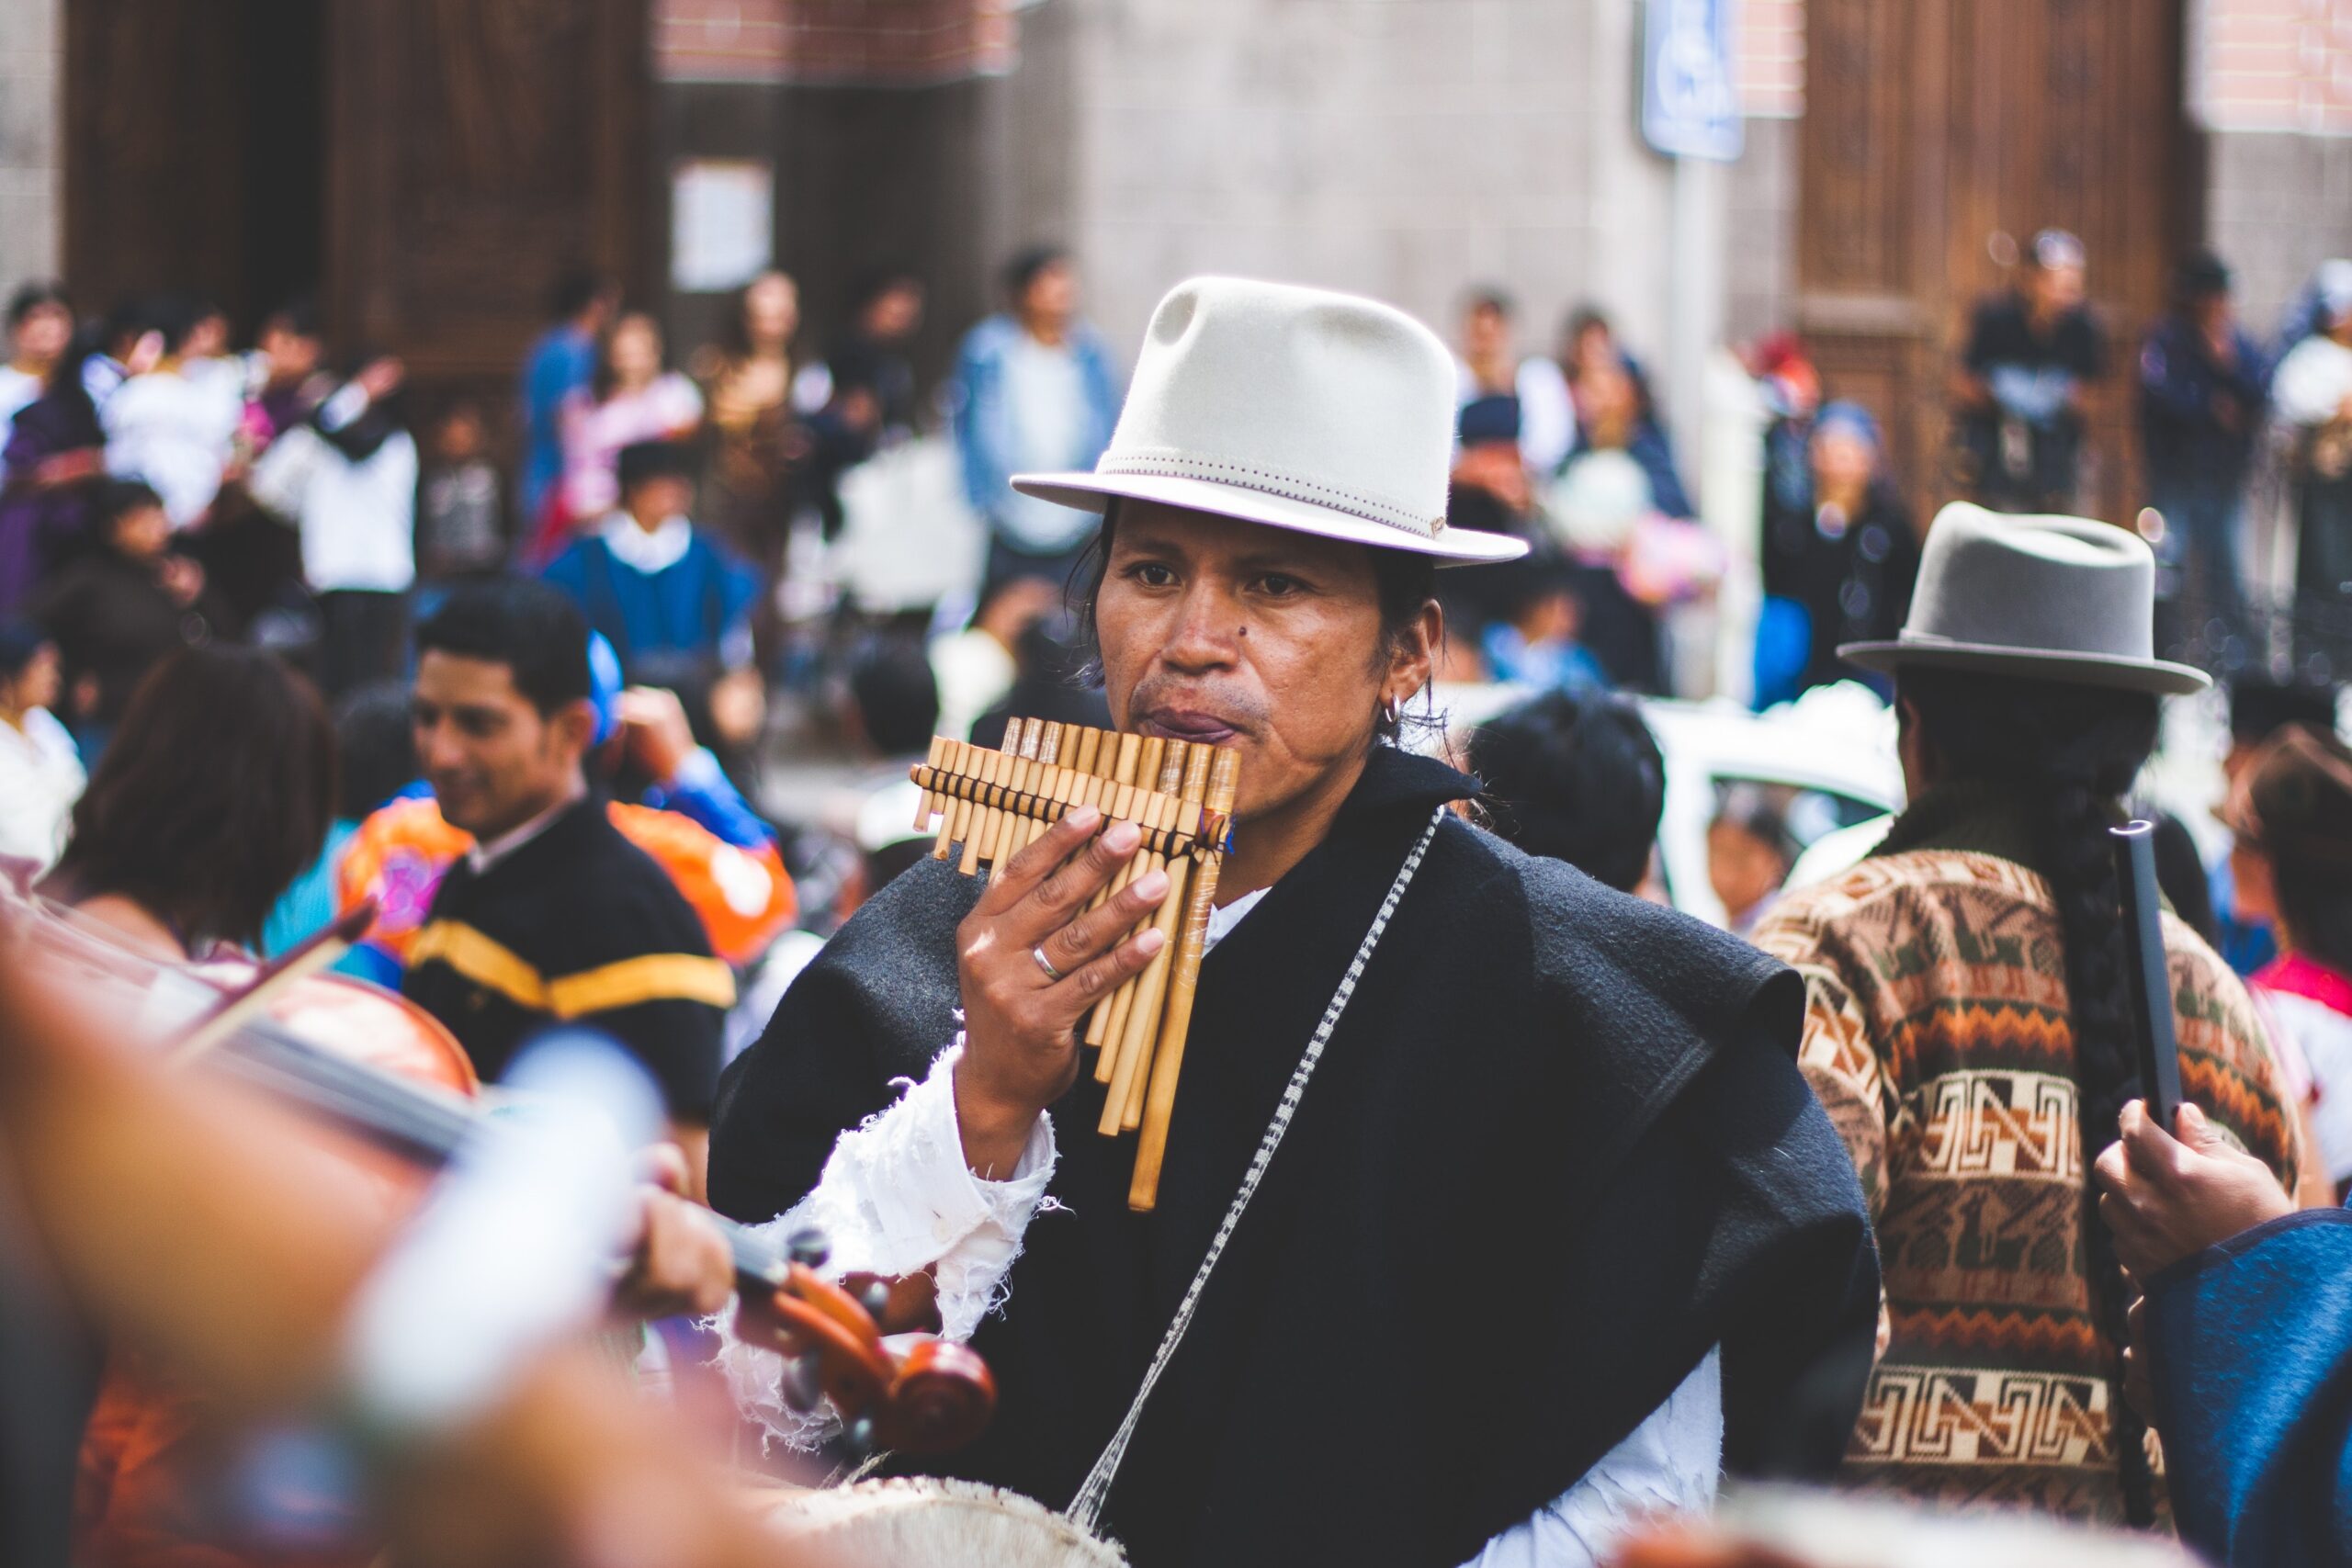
654,977
482,960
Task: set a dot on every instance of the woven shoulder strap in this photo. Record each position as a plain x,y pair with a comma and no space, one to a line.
1087,1507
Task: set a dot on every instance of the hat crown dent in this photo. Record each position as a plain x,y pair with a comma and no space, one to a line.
2058,585
1293,388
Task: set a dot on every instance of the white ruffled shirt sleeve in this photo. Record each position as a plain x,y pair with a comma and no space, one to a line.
896,1196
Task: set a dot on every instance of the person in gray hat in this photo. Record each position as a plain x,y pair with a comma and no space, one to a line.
1967,1025
1435,1092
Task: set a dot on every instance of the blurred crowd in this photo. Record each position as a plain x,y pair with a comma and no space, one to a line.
274,646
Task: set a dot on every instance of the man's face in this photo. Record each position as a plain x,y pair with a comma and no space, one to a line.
1051,299
143,532
1260,638
493,760
1485,333
895,313
654,502
293,356
42,335
2055,290
36,685
1842,461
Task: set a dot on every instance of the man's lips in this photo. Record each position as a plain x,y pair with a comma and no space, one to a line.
1183,723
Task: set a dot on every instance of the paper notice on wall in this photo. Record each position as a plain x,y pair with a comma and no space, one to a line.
722,223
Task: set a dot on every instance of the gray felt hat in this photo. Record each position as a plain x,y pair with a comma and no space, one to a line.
2052,598
1295,408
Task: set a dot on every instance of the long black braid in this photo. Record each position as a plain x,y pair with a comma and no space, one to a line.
2064,756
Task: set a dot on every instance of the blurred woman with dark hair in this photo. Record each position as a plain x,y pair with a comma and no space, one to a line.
632,396
1839,564
216,793
118,608
40,772
54,454
746,379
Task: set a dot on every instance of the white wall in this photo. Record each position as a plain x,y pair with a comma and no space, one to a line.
1405,148
32,46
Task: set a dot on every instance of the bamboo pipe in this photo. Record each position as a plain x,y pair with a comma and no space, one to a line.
1159,1101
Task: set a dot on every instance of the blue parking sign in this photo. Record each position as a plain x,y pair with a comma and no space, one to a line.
1690,103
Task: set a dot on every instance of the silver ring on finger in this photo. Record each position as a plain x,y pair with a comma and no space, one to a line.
1052,974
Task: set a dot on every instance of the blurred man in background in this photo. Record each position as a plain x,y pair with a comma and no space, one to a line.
2201,397
2024,384
1035,392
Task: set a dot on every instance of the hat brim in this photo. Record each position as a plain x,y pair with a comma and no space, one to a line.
2156,675
1091,492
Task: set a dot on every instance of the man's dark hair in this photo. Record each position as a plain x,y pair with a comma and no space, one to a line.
2201,274
299,316
173,316
577,288
214,795
873,284
1024,268
2259,709
378,746
643,460
1405,580
897,696
113,500
522,623
1578,779
21,636
31,298
1584,317
1487,298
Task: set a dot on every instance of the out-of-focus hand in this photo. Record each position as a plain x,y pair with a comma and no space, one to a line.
381,376
739,707
658,736
679,1263
2167,1198
182,579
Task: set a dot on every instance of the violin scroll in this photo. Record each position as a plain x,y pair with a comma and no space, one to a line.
932,1397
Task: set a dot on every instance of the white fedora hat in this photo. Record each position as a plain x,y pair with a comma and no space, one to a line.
2053,598
1293,407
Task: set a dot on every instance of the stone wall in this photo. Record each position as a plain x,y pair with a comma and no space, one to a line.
2279,203
32,47
1406,149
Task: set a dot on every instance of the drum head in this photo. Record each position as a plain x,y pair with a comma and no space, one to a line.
927,1523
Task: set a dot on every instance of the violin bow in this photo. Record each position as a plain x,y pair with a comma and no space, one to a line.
250,1001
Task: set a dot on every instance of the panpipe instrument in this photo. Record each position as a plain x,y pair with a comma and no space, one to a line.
1180,794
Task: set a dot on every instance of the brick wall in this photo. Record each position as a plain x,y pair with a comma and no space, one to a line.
1771,66
846,42
2274,65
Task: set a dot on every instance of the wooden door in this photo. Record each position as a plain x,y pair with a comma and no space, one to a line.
476,151
145,82
1939,136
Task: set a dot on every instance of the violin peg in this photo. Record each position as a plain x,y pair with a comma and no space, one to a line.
808,1247
804,1382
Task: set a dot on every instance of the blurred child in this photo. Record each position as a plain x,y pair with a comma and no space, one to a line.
461,522
1750,851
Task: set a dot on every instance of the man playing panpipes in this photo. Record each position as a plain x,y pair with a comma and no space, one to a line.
1554,1232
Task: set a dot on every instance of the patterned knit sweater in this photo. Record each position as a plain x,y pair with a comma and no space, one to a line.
1937,1034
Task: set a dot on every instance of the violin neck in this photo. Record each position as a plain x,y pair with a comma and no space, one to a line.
426,1124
